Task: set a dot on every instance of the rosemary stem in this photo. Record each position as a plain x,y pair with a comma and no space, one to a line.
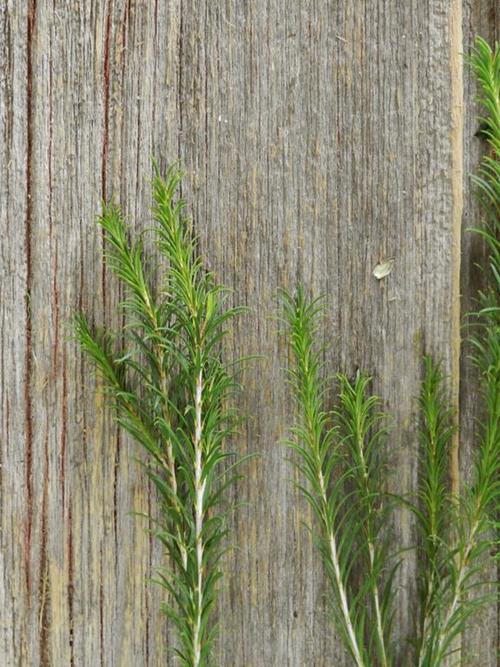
371,554
344,604
200,492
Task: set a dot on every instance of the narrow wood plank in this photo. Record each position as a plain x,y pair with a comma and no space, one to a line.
16,524
481,641
82,558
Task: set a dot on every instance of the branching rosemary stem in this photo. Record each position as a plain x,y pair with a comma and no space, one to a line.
360,444
171,390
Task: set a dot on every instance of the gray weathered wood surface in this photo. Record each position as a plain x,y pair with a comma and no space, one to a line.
319,137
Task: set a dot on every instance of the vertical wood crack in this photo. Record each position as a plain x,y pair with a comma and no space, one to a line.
30,32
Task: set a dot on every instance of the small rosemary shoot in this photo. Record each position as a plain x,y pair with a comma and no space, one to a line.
337,454
171,390
435,511
454,531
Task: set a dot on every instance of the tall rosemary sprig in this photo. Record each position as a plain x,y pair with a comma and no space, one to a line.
170,390
335,450
485,62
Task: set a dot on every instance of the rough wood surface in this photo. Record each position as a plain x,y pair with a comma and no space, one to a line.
319,138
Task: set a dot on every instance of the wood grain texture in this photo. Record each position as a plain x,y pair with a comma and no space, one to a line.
318,138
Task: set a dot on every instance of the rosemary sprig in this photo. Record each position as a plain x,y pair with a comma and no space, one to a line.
454,530
170,390
335,450
436,511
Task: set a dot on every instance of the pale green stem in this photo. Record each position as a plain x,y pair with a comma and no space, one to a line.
371,552
427,620
463,567
464,561
170,460
200,485
433,538
344,605
378,612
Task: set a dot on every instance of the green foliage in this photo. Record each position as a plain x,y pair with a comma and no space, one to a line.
436,512
454,531
338,455
486,65
170,389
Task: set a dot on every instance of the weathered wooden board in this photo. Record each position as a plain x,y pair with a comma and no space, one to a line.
318,137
